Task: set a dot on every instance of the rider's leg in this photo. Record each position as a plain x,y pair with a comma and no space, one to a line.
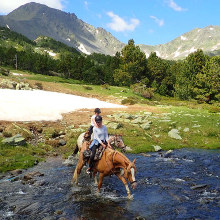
91,162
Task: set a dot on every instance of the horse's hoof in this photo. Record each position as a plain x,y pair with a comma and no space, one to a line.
130,197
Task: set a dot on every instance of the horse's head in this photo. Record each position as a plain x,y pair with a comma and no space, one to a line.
87,136
130,174
117,141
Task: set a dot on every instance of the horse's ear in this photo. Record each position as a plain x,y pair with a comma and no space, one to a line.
134,160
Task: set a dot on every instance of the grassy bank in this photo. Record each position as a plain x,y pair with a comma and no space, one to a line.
198,125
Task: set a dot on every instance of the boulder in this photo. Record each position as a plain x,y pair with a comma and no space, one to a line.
174,133
157,148
114,125
145,126
138,120
15,140
62,142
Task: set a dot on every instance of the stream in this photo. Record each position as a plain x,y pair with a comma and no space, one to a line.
184,184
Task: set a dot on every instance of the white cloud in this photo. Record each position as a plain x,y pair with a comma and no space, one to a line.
86,4
119,24
7,6
174,5
160,22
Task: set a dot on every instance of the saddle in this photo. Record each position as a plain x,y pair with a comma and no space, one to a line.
99,152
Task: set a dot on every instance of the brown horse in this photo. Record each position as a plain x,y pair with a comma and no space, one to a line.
111,162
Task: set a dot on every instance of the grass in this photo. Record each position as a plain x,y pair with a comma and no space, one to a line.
203,122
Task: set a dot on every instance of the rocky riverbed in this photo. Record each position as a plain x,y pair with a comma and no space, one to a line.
183,184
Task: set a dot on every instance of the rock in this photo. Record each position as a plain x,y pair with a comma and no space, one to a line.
145,126
145,155
70,161
157,148
127,148
15,140
114,125
186,129
78,130
138,120
30,176
16,172
200,186
62,142
174,133
168,153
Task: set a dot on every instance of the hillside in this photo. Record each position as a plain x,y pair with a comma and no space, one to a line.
41,45
34,20
207,39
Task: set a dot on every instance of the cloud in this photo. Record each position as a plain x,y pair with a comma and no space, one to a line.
86,4
7,6
174,6
118,24
160,22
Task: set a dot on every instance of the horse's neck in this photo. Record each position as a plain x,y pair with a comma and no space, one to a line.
120,160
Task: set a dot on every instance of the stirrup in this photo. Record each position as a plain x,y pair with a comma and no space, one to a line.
88,171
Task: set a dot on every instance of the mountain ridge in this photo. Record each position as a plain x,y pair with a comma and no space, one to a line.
34,20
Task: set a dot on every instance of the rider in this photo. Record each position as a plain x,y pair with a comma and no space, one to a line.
93,123
100,138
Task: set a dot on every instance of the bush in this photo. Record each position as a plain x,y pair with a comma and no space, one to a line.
4,71
142,90
87,87
105,86
39,85
129,101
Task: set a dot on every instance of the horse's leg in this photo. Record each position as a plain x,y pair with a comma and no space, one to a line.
126,184
101,177
95,177
77,171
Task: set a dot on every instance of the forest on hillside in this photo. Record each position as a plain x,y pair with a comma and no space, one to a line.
195,77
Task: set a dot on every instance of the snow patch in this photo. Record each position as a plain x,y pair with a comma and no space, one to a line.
193,49
158,53
147,54
97,31
68,39
7,26
177,53
183,38
37,105
215,47
50,53
83,49
211,29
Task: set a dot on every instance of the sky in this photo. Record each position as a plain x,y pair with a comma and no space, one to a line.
149,22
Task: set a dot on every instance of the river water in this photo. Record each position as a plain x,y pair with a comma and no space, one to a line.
182,185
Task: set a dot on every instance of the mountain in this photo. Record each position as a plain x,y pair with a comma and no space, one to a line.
34,20
207,39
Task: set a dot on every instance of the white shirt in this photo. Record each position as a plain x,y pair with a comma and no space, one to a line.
100,134
93,117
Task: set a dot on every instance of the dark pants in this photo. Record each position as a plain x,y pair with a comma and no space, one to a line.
92,162
90,130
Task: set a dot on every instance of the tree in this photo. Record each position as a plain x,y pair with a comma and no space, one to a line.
132,65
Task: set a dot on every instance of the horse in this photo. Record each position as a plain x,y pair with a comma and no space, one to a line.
114,140
111,162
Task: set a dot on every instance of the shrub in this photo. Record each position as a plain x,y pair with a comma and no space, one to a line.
4,71
87,88
39,85
105,86
129,101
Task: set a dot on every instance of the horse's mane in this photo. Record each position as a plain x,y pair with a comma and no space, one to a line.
121,154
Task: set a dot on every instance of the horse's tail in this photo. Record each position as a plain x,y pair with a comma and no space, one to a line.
76,150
